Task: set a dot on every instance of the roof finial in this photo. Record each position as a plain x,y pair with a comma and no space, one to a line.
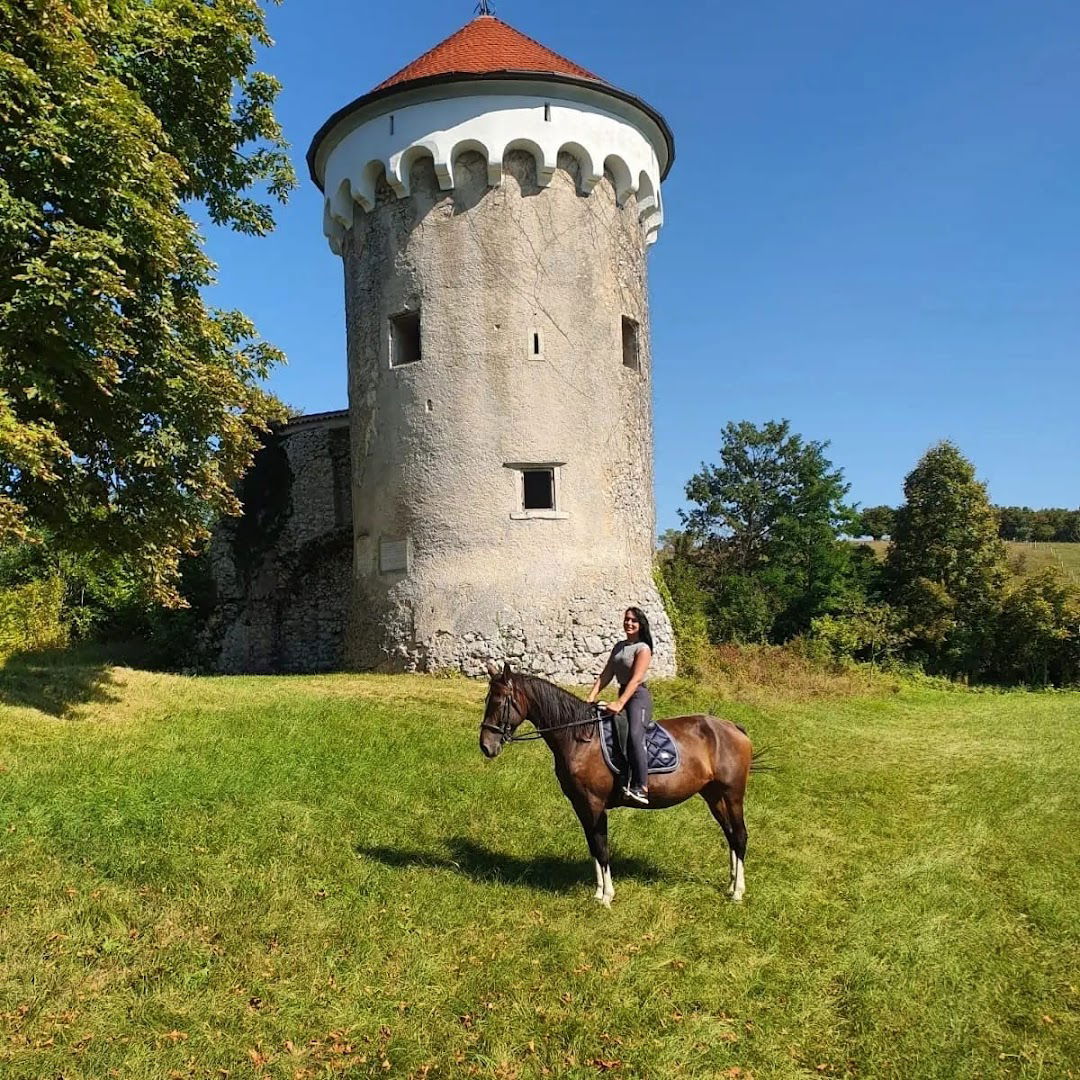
485,7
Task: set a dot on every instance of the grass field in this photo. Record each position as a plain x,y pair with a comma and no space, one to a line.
1026,558
307,877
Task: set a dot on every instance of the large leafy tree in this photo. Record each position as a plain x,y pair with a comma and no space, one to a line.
768,518
128,408
946,565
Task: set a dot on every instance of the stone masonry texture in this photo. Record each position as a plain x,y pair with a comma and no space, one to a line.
282,571
437,445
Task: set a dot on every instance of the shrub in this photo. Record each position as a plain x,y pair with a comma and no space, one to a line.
31,617
869,633
1038,639
685,603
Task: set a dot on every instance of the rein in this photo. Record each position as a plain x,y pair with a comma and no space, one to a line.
504,729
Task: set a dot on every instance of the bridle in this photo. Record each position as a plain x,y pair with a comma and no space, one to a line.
505,728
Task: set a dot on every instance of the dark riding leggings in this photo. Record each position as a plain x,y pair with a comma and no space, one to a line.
639,713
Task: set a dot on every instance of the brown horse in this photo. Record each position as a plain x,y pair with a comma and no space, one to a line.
714,762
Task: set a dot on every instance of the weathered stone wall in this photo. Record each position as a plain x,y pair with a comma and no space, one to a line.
435,443
282,571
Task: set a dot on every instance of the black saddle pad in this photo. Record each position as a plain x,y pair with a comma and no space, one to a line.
660,747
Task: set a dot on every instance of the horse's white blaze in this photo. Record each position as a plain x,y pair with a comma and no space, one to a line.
740,880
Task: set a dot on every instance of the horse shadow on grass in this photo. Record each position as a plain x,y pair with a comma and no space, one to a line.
551,873
56,681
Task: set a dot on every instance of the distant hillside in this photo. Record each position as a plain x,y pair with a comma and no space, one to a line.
1024,557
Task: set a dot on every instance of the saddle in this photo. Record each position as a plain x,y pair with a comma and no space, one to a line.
661,750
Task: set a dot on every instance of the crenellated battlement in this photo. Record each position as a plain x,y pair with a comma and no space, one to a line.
390,142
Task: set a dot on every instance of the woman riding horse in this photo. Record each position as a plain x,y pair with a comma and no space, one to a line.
627,664
714,762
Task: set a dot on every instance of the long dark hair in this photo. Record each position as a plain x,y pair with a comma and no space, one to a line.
644,633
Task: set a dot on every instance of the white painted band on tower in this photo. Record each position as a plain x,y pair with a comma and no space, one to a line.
491,123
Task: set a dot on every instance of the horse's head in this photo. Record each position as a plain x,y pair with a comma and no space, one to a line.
504,710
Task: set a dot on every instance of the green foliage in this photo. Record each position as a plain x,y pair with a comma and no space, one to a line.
1044,526
31,617
684,600
870,633
100,598
767,522
1038,639
128,409
875,521
946,566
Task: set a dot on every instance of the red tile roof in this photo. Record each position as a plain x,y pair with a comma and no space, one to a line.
485,45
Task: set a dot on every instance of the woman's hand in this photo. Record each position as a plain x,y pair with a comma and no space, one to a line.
611,707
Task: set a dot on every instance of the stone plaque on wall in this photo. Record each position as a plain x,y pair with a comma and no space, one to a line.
393,556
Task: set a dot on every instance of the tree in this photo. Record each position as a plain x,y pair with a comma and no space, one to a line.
1038,639
128,409
946,566
768,518
1014,522
875,522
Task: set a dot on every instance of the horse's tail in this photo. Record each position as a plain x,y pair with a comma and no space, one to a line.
759,760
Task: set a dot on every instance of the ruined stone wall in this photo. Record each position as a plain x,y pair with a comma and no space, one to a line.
282,571
448,572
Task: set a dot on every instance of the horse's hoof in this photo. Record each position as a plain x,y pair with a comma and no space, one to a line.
736,898
606,901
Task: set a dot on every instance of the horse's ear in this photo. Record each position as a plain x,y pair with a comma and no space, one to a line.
506,672
493,669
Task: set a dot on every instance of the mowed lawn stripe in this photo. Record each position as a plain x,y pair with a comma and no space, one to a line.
309,876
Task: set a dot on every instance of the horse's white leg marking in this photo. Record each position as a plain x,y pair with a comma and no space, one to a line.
740,881
599,894
609,888
732,872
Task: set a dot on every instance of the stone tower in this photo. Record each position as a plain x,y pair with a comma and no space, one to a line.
493,204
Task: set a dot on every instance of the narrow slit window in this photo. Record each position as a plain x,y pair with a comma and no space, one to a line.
536,347
404,338
630,354
547,110
538,489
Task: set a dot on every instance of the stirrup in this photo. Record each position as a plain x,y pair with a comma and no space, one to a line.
636,795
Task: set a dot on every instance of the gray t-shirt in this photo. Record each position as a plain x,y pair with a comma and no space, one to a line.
622,660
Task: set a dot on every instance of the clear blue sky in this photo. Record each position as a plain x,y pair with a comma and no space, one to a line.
873,221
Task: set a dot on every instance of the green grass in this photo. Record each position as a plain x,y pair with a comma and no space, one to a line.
1030,558
306,877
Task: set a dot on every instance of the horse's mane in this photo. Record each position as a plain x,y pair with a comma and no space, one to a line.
557,707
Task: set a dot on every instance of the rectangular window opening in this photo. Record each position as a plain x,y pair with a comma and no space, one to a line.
630,353
538,489
547,110
404,338
536,343
630,356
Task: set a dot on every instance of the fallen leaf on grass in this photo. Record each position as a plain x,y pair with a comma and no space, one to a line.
607,1064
